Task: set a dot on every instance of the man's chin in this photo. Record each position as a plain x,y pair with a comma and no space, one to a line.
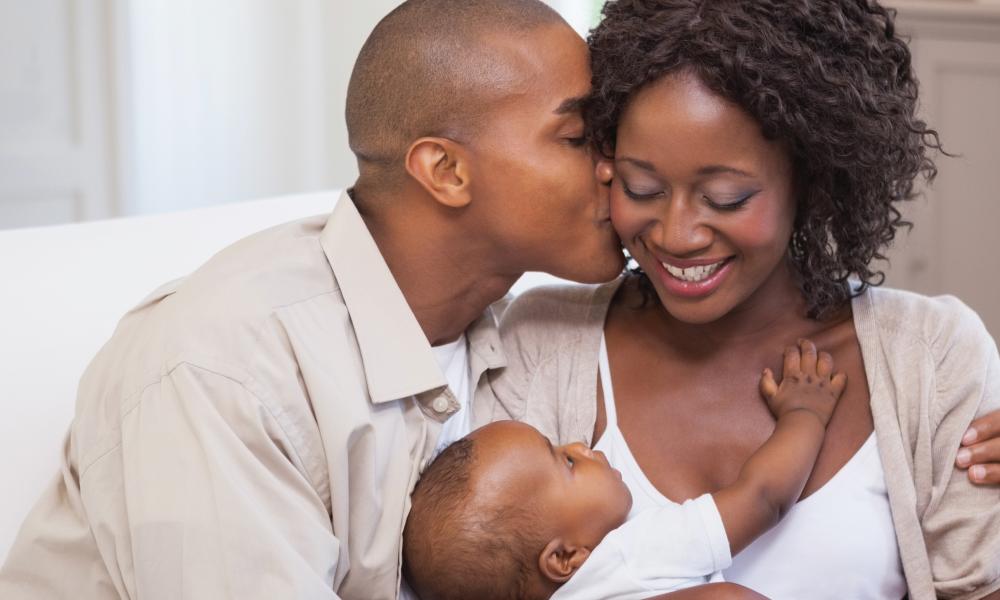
596,271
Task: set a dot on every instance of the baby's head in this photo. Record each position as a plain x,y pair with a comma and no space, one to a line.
504,514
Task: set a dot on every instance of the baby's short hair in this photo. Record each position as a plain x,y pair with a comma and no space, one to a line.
458,546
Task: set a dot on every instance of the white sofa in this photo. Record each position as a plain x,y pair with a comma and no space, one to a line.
63,289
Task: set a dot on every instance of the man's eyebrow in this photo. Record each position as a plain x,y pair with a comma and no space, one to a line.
571,105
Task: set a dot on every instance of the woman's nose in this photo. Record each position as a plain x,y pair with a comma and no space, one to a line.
684,231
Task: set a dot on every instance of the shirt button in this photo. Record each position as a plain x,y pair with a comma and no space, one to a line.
440,404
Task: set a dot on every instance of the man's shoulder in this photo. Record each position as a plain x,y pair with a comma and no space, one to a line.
227,314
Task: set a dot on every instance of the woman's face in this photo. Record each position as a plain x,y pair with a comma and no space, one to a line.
702,201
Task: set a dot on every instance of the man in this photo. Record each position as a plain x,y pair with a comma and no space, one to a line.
254,431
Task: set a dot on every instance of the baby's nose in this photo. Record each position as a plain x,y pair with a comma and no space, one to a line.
582,449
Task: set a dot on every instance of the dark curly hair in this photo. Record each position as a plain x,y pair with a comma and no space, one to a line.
830,78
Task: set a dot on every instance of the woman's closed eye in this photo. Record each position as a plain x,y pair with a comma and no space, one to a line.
641,194
729,202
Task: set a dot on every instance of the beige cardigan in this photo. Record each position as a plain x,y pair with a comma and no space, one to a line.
931,366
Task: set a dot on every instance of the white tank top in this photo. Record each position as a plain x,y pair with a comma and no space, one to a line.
837,544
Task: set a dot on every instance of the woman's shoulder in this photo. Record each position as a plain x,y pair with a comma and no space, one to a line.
553,311
936,322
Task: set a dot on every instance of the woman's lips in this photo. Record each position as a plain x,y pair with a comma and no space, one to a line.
696,280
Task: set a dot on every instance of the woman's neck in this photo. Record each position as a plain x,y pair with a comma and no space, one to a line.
776,306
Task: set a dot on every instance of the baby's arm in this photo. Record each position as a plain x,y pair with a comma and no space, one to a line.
773,477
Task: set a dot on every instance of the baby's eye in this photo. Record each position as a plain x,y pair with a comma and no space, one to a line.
569,461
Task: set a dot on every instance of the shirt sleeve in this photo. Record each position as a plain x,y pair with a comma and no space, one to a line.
212,500
961,524
660,550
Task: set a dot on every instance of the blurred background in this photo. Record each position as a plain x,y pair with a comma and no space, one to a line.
114,108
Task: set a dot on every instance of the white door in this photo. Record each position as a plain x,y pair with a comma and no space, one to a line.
55,126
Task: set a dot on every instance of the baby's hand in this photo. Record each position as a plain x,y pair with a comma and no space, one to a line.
807,383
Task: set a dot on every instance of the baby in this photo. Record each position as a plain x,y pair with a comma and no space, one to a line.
504,514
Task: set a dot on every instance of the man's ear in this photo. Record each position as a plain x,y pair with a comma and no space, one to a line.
559,560
605,169
441,166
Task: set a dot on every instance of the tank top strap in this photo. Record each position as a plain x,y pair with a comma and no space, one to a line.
606,388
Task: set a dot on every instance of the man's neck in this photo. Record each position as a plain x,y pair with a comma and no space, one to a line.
446,276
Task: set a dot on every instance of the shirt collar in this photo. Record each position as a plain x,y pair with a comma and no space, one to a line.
485,350
397,358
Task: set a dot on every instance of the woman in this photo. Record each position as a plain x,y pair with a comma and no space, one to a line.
761,150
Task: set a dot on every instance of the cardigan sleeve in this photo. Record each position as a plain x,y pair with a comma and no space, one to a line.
542,333
961,523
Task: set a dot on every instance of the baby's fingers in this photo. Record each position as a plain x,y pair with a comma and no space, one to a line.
808,361
824,365
838,384
792,364
768,386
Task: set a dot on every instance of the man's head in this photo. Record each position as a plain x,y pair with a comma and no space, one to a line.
473,106
504,514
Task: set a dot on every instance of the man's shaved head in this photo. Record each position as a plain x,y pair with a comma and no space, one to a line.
428,70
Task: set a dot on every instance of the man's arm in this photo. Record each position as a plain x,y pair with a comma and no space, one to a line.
217,503
772,479
199,494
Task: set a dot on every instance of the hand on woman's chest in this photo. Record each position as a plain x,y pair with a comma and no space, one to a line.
691,422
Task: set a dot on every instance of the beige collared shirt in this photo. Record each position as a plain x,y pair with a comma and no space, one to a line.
251,431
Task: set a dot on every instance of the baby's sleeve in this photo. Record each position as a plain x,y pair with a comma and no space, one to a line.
660,550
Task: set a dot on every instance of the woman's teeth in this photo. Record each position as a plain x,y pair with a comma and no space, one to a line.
693,274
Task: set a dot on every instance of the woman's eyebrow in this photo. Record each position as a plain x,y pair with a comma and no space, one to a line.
720,169
644,165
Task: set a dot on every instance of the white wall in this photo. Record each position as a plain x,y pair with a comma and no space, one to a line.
233,100
56,162
237,100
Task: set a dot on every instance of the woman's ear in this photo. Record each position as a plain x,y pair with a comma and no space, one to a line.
441,167
559,560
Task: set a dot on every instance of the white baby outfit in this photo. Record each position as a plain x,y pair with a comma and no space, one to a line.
662,547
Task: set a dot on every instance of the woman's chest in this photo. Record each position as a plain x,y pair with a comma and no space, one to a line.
838,543
691,425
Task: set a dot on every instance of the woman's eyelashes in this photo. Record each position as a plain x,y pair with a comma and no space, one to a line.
643,195
730,203
719,202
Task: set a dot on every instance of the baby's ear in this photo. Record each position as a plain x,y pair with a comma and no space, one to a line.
559,560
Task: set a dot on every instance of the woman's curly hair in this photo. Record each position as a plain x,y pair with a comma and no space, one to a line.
830,78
